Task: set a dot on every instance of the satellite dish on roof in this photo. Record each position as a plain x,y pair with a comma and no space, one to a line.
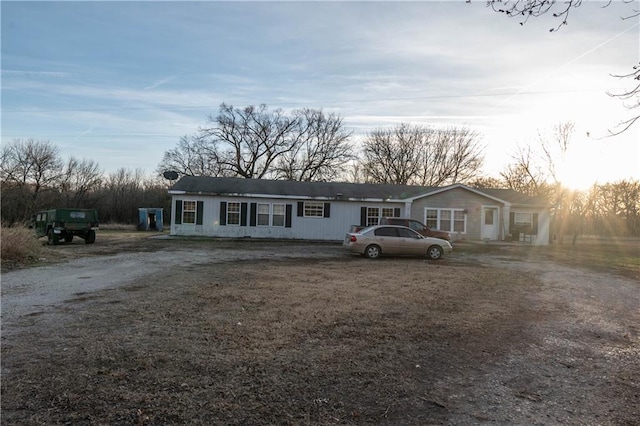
170,175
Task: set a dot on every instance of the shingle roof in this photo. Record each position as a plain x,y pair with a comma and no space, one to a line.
328,190
511,196
222,185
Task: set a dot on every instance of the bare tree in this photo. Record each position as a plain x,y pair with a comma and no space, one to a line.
526,9
80,178
485,182
456,157
255,142
195,155
250,140
555,151
525,174
394,156
616,210
630,99
27,169
421,155
321,150
121,192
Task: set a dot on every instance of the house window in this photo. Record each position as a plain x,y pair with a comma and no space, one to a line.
431,219
373,216
189,212
269,214
450,220
445,220
459,221
313,209
263,214
233,213
279,214
488,216
524,219
387,212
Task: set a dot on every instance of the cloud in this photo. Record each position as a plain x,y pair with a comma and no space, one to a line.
159,83
34,74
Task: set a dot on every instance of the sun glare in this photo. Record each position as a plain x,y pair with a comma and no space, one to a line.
587,164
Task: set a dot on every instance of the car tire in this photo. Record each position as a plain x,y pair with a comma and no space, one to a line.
372,251
434,252
68,238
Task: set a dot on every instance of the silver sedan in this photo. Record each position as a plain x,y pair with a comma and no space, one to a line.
375,241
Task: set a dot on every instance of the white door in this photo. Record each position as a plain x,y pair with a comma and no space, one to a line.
490,223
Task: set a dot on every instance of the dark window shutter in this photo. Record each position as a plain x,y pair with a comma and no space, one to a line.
327,209
396,212
512,221
534,231
300,208
223,212
288,214
199,212
243,214
363,216
178,212
253,214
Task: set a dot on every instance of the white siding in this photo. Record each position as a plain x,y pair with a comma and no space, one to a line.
343,214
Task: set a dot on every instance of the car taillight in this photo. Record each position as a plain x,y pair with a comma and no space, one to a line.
353,238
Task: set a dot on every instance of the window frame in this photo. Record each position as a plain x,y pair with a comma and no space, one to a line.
263,214
523,223
452,219
274,215
372,220
313,209
189,211
233,212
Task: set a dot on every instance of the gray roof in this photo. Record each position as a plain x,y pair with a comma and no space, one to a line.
513,197
328,190
240,186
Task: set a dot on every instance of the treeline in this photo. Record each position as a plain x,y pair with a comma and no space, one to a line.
308,145
34,176
611,209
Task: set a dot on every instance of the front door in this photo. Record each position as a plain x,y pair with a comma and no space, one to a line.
490,223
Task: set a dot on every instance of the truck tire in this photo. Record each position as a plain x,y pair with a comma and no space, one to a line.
52,239
90,238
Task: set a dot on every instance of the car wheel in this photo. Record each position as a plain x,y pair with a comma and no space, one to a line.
434,252
68,238
372,251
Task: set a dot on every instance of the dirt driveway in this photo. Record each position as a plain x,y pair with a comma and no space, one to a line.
170,331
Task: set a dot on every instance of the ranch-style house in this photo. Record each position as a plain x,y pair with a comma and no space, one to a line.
258,208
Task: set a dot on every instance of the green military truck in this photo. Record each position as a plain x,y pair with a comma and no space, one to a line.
64,224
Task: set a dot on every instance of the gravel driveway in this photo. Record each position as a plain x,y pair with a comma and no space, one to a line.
501,338
32,290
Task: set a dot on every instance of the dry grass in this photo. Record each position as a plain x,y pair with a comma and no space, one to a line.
319,342
117,227
338,341
19,246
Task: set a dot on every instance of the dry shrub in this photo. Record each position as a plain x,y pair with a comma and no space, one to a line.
117,227
18,246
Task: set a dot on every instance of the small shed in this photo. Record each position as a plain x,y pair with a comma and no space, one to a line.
150,219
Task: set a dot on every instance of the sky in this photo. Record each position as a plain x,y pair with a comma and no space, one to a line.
121,82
